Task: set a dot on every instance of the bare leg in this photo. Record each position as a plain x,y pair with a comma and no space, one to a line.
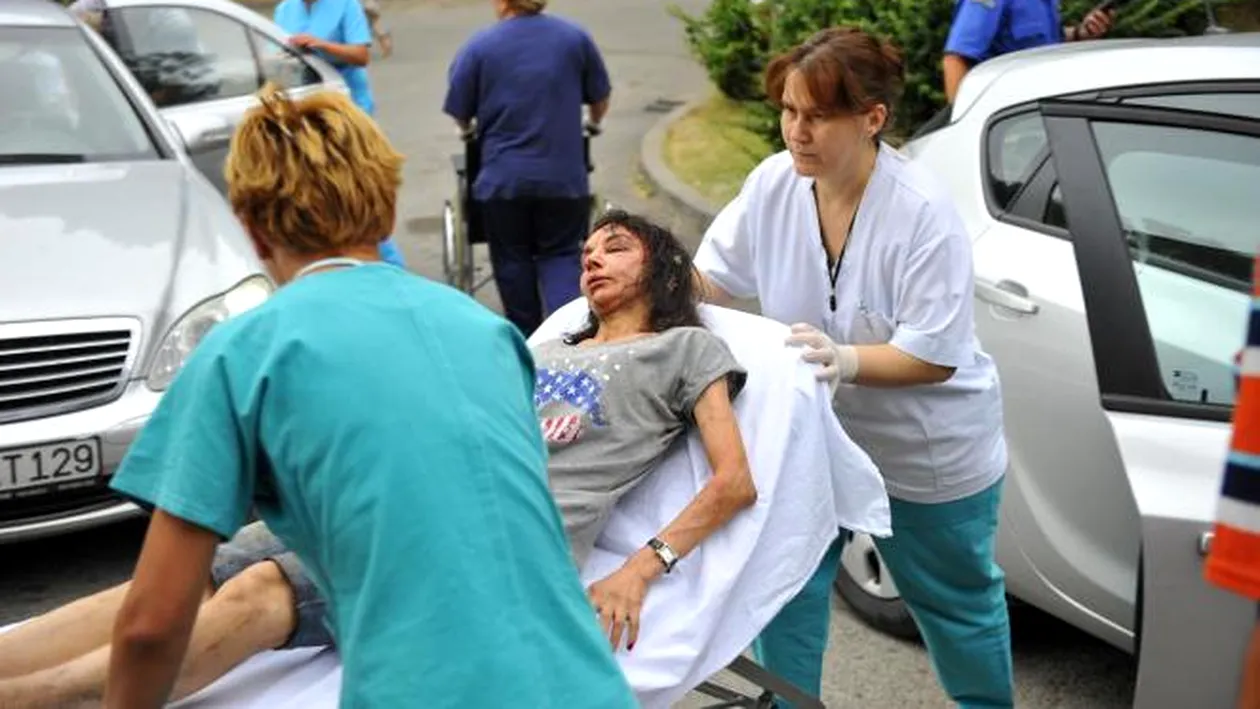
60,635
252,612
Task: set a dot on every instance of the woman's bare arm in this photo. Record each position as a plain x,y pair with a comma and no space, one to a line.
618,598
730,490
887,366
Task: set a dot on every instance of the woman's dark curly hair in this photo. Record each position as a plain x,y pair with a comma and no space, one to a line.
668,278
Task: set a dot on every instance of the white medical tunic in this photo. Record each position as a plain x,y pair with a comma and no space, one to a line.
906,279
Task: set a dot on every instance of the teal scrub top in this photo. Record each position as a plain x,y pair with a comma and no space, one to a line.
383,426
340,21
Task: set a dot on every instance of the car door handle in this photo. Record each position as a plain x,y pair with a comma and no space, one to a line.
1007,294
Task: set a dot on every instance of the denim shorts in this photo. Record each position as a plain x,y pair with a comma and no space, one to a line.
254,544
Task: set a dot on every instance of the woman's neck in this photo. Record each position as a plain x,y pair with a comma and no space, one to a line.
846,186
623,325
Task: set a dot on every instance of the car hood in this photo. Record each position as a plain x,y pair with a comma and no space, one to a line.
145,240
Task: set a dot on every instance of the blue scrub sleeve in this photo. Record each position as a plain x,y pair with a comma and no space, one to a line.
193,459
354,24
974,29
934,312
461,91
595,83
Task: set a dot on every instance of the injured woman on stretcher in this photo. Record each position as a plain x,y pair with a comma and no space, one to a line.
685,553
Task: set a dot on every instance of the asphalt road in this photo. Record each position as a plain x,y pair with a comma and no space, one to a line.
1056,666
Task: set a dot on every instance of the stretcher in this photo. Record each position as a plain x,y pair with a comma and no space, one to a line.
698,622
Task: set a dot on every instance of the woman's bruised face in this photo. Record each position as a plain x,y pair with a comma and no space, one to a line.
612,268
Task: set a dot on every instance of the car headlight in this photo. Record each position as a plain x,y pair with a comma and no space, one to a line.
183,337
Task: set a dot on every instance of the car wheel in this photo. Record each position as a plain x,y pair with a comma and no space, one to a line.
866,587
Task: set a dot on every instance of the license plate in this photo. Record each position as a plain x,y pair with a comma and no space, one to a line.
49,467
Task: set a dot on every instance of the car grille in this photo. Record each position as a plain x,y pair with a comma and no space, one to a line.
43,507
45,371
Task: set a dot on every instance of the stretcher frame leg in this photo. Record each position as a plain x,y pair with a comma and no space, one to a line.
773,685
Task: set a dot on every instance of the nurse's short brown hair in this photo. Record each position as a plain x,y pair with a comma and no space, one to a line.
846,70
313,176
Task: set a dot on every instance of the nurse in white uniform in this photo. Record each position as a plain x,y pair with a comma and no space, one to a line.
864,253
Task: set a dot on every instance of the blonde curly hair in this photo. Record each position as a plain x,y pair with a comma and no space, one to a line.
312,176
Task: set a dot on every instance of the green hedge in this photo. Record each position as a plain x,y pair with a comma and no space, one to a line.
734,40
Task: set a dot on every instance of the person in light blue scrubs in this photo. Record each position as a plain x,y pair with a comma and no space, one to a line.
339,31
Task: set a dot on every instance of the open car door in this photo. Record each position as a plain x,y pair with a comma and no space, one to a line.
1163,207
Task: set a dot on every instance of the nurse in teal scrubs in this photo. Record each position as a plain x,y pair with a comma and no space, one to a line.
338,30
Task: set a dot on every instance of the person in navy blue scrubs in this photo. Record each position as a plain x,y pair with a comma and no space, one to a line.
339,31
524,80
983,29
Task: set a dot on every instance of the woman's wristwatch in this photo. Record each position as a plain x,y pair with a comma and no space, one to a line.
664,552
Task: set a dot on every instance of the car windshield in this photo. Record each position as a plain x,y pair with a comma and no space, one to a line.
61,104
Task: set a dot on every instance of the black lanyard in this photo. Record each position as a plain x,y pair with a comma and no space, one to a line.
833,271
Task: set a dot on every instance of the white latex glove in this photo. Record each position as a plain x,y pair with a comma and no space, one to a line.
839,363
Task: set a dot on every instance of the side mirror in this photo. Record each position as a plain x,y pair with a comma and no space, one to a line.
200,132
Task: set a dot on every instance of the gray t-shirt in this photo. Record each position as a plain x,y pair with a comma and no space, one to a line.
609,412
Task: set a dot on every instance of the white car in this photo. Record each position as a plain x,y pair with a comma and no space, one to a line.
202,61
116,256
1112,190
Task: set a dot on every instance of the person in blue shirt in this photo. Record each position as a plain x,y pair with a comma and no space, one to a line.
983,29
524,81
339,31
383,426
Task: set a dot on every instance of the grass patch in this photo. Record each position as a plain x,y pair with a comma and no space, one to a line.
1240,16
712,148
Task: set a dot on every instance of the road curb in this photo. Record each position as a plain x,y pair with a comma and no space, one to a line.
684,198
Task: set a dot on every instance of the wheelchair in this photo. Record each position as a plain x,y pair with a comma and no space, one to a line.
461,224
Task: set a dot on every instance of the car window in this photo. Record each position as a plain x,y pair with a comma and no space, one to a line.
282,64
1187,202
184,55
1243,104
59,103
1016,146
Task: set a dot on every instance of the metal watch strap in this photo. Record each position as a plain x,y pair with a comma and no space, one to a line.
664,552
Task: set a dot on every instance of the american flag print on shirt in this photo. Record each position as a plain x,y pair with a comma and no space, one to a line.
1234,559
576,393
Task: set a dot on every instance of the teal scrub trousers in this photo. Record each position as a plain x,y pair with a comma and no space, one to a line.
941,557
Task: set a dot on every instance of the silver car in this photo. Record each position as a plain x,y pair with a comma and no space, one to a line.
201,61
1112,190
116,256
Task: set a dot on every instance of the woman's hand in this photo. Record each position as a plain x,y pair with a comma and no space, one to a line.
838,363
618,598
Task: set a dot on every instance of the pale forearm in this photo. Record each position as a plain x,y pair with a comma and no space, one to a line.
723,497
887,366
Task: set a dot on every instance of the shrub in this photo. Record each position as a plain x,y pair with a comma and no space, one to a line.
731,40
734,40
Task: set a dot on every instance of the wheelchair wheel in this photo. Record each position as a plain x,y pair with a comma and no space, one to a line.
450,234
464,251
